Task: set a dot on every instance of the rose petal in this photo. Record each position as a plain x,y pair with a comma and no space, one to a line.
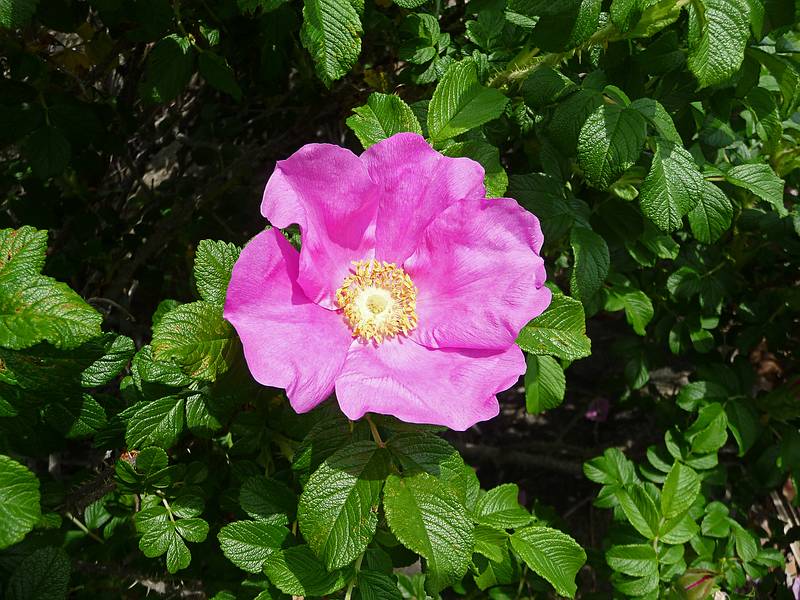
454,388
478,275
289,342
327,191
415,184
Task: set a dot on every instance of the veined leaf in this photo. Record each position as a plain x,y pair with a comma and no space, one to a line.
248,544
712,216
552,554
381,117
718,34
545,384
19,501
332,34
560,331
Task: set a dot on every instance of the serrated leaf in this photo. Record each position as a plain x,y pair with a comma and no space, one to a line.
658,117
610,469
192,529
712,216
718,34
378,586
552,554
213,263
338,509
331,33
42,575
672,187
16,13
761,180
610,142
266,498
170,65
639,509
428,519
19,501
47,151
298,572
499,508
569,117
248,544
145,368
381,117
556,32
560,331
491,542
680,490
461,103
638,308
636,560
709,431
591,262
196,337
216,71
35,308
545,384
76,417
22,250
156,423
545,86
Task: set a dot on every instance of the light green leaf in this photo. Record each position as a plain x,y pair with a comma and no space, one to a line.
22,250
381,117
672,187
428,519
709,431
716,522
19,501
213,263
545,384
680,490
192,529
591,262
156,423
298,572
338,509
610,469
636,560
461,103
658,117
196,337
761,180
610,142
638,309
499,508
491,542
712,216
639,509
248,544
560,331
331,32
718,34
35,308
552,554
42,575
216,71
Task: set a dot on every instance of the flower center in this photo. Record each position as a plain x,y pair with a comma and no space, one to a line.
378,299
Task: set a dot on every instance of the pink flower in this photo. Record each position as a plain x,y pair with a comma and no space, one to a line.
409,290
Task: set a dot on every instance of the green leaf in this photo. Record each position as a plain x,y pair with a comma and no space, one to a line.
492,542
552,554
266,498
569,117
658,117
16,13
76,417
678,530
610,142
213,263
718,34
556,32
428,519
196,337
192,529
545,86
680,490
560,331
637,305
42,575
499,508
545,384
378,586
591,262
495,179
712,216
148,369
639,509
746,544
35,308
170,65
461,103
610,469
672,187
709,431
22,251
716,522
381,117
248,544
19,501
216,71
298,572
331,32
636,560
338,509
156,423
48,152
761,180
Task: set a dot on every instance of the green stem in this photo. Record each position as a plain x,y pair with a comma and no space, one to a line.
169,510
85,529
352,583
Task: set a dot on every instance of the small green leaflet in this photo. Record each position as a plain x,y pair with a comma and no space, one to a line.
591,262
22,250
248,544
381,117
639,509
499,508
712,216
636,560
680,490
761,180
19,501
545,384
461,103
213,263
718,34
332,34
560,331
298,572
156,423
552,554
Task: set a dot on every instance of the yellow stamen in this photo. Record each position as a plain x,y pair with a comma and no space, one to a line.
379,300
